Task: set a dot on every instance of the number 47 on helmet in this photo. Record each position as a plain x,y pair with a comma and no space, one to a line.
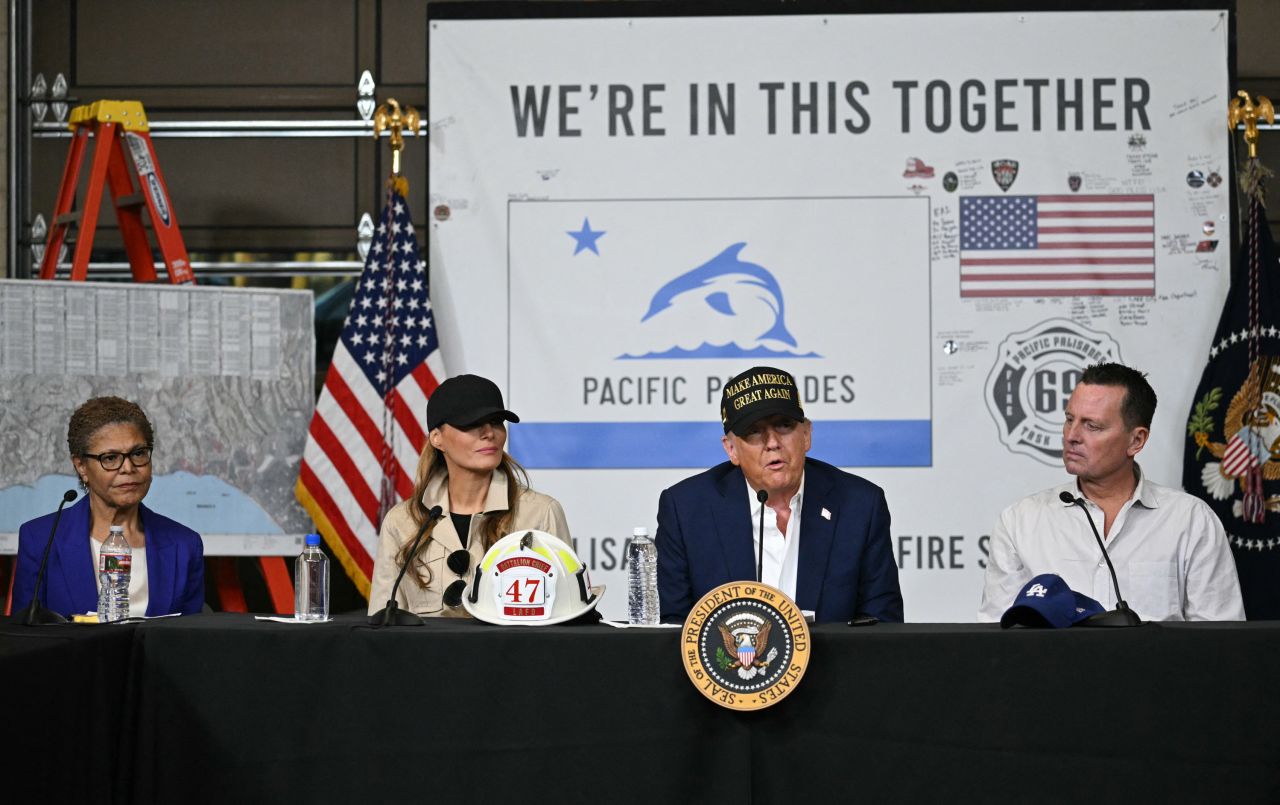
530,578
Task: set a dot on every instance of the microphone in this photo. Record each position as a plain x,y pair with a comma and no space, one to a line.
391,614
1121,615
36,615
761,496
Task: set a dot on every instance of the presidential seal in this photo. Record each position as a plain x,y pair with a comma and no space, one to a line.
745,645
1033,377
1240,468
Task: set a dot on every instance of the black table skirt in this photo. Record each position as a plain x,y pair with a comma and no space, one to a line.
227,709
67,697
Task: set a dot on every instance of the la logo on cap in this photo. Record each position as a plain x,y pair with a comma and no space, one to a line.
1046,600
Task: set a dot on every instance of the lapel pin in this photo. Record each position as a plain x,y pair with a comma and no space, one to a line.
826,515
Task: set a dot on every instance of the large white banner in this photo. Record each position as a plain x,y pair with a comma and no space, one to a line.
933,221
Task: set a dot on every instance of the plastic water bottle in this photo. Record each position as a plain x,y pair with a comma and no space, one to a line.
642,584
114,563
311,582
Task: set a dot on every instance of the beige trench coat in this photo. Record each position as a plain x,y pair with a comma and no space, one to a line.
533,510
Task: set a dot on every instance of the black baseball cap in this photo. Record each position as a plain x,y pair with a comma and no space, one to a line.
466,400
757,393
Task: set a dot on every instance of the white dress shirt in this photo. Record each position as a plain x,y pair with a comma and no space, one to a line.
1169,549
781,551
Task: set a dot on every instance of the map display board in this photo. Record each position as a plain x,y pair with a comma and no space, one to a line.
225,375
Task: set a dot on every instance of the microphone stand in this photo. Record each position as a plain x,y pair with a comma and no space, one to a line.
36,615
761,496
391,614
1121,615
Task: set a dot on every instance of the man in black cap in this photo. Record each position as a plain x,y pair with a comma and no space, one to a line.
826,532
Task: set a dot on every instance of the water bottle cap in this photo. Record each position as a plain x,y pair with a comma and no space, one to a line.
313,539
640,532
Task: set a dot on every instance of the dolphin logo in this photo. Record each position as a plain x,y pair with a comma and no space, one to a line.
728,286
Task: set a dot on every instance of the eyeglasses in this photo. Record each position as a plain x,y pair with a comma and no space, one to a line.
140,457
453,593
459,562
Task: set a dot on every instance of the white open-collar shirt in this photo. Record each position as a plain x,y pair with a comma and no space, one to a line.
781,551
1169,549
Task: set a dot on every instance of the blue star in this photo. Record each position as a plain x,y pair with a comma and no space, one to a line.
586,237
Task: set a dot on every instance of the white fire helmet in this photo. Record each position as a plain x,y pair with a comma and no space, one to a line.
530,578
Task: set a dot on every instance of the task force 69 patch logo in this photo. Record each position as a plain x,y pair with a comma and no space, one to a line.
745,645
1033,377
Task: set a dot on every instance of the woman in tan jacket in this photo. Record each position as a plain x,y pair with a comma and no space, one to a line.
482,492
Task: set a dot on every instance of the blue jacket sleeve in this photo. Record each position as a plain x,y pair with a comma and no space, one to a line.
192,600
675,591
879,594
30,550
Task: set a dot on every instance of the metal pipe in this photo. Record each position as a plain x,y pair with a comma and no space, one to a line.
19,136
279,128
240,128
257,268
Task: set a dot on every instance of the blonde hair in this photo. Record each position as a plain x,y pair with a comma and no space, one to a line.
431,463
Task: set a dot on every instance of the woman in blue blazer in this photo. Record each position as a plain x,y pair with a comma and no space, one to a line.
111,440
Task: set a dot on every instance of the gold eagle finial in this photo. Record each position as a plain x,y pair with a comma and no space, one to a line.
1242,109
390,117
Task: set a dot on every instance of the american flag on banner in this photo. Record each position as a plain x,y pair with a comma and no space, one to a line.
370,422
1073,245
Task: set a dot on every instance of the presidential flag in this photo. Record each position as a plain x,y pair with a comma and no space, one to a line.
1232,451
369,426
1069,245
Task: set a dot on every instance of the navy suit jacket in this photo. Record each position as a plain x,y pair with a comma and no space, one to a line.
706,538
175,564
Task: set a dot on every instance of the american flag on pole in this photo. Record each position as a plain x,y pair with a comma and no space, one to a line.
1072,245
370,422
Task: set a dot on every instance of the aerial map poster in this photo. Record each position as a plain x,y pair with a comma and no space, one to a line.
226,377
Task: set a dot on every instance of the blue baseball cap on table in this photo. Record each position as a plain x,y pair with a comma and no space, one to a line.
1047,602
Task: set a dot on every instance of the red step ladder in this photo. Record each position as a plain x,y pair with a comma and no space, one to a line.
116,126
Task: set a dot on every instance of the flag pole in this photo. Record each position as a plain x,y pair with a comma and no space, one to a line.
1252,182
1242,109
369,427
1229,460
1253,176
391,117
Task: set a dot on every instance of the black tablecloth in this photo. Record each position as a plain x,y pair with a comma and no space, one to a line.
66,701
228,709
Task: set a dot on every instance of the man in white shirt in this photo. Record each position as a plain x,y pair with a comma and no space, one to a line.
826,532
1169,549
